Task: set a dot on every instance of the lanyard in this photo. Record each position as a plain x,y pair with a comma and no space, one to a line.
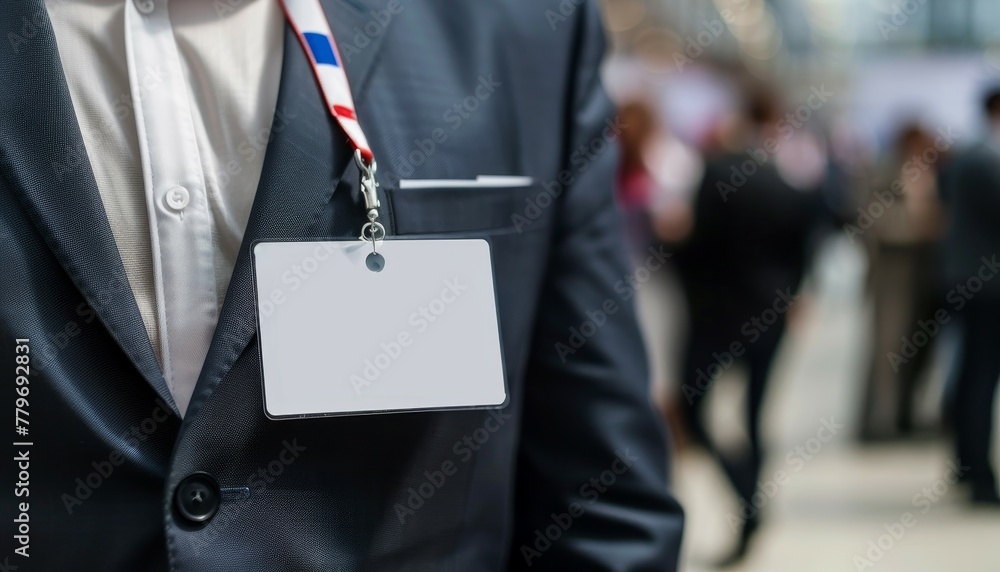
309,22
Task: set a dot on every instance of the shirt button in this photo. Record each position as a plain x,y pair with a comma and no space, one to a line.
177,198
197,497
145,6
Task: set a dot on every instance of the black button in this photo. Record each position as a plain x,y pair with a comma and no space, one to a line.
197,497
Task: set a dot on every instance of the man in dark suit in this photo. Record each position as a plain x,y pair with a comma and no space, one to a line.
971,247
119,475
741,268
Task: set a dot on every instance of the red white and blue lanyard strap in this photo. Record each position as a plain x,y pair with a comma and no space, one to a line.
309,22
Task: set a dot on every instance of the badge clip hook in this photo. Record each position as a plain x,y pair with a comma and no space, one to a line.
372,230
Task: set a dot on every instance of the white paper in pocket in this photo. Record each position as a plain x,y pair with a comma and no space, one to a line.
338,338
480,182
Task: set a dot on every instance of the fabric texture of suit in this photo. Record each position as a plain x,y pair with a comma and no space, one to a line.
331,494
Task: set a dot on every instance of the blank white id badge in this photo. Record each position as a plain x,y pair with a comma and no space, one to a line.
340,335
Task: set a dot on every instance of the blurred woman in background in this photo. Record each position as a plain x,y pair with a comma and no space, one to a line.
902,245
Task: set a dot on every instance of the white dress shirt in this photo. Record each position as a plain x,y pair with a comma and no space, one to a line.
175,100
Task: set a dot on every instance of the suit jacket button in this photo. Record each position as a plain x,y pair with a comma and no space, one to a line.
197,497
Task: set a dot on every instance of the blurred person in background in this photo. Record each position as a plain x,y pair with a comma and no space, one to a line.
658,173
634,185
902,245
656,178
755,212
971,247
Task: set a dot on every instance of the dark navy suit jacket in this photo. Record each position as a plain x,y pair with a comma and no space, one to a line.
570,476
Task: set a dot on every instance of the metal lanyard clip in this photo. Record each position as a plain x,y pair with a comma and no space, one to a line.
368,185
372,230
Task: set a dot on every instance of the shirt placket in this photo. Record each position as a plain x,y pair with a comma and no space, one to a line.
176,198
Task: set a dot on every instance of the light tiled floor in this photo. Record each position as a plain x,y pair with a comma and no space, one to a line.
826,515
844,495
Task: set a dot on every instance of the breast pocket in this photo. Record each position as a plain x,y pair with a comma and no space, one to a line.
470,209
516,222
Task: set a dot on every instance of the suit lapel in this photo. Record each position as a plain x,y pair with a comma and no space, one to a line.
45,163
307,158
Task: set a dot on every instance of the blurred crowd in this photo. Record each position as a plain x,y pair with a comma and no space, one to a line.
744,203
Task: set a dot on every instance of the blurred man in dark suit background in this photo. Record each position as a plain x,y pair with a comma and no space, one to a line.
971,251
754,217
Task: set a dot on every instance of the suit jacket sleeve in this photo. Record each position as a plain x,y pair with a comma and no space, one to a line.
592,469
